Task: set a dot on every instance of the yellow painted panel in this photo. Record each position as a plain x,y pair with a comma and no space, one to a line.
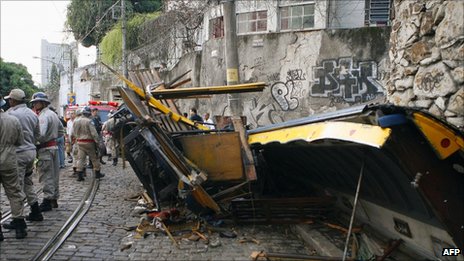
354,132
442,139
218,154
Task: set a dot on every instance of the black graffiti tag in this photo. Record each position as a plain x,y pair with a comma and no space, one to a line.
343,80
429,81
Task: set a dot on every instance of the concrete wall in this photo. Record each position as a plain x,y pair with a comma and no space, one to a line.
306,72
427,54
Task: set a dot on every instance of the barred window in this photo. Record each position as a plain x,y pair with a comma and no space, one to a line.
297,17
252,22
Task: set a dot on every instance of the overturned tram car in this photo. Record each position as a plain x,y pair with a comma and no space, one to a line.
398,171
412,167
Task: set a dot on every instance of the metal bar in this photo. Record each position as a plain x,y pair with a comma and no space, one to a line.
155,103
186,92
176,79
354,211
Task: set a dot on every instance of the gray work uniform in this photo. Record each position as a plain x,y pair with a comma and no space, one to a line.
86,139
26,152
75,148
11,135
108,127
48,165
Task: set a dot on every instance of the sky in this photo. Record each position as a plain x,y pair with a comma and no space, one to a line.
25,23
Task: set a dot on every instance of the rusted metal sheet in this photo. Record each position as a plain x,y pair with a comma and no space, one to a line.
218,154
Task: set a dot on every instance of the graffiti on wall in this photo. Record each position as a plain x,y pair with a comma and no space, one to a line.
262,113
430,82
288,93
342,81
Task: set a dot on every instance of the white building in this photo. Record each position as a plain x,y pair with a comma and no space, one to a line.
62,55
271,16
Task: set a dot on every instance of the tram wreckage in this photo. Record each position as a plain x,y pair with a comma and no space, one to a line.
394,170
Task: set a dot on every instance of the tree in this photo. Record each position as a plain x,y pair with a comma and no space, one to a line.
13,75
54,83
83,15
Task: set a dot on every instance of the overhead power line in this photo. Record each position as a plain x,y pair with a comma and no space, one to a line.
98,22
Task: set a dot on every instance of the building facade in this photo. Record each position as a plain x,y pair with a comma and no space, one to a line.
60,55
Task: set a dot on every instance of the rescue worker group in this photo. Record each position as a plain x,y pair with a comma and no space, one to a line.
32,141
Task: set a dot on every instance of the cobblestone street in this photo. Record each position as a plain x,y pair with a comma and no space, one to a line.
101,234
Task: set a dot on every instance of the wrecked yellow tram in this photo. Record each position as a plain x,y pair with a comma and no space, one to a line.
396,171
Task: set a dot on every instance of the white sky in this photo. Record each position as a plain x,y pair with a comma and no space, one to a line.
25,23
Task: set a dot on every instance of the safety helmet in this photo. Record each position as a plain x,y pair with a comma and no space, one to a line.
78,112
86,110
39,96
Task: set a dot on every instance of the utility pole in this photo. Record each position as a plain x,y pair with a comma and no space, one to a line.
71,69
124,61
230,33
231,54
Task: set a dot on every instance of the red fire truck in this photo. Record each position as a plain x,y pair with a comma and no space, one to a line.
104,107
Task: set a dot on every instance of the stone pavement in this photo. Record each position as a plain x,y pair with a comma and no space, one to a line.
101,234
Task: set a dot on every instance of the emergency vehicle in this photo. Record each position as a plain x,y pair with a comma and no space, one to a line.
104,107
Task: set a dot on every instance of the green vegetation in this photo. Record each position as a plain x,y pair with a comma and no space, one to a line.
13,75
83,15
53,87
111,45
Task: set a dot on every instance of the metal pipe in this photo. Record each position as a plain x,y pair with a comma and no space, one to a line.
354,211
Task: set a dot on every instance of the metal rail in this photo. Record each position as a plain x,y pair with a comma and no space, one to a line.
49,249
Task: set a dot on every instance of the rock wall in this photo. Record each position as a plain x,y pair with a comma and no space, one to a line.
306,72
426,53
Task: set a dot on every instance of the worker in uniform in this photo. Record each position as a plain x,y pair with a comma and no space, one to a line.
110,142
26,152
48,166
75,148
11,136
87,141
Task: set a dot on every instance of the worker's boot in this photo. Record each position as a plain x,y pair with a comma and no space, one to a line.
54,203
80,176
20,227
1,234
36,214
115,161
74,171
98,174
46,205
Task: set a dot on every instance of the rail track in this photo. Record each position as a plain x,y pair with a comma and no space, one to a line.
57,240
50,248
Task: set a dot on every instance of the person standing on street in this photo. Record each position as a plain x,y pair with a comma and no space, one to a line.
26,152
86,139
48,165
194,115
11,136
110,141
70,115
209,122
96,121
